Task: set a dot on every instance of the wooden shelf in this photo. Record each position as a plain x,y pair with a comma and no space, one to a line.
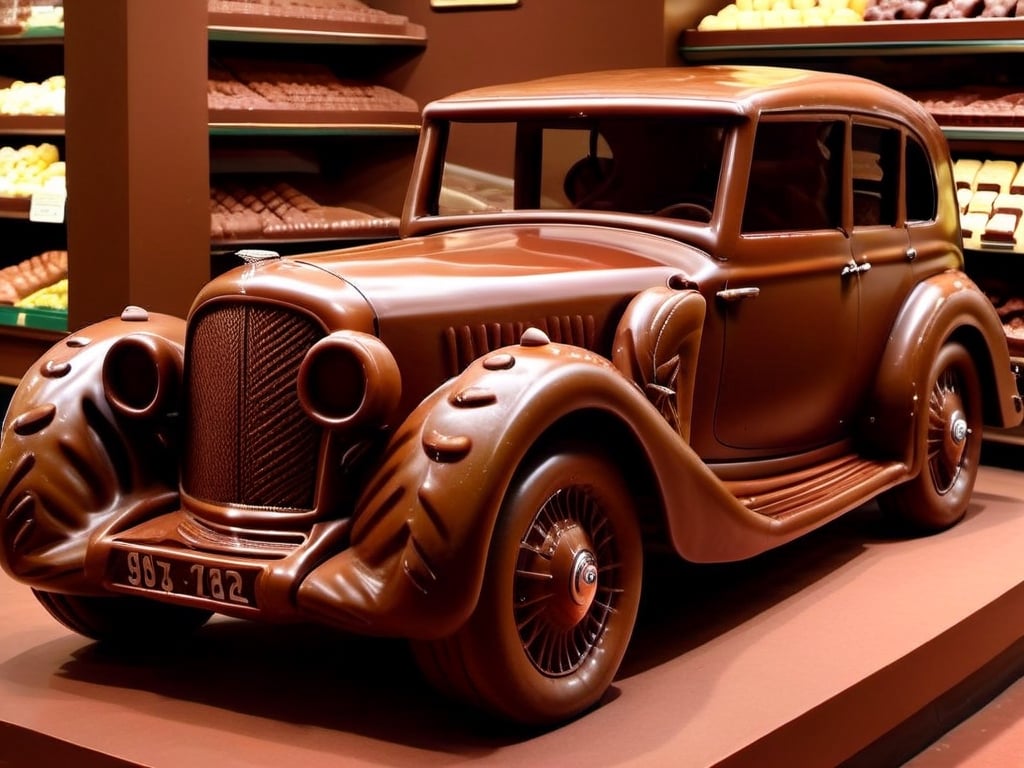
275,29
14,207
32,125
21,348
891,38
238,122
32,36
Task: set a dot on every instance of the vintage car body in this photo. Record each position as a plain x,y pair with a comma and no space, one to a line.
467,437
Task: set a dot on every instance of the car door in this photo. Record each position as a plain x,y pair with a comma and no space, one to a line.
881,247
790,308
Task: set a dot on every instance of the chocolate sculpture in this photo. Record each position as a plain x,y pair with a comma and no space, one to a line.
708,308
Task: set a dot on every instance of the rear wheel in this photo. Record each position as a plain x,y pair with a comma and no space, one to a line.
117,619
559,598
938,497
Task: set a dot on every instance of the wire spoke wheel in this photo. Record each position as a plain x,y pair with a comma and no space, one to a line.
948,431
950,443
566,581
559,597
117,619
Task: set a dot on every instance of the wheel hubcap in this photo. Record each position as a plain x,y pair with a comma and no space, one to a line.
584,581
566,581
958,431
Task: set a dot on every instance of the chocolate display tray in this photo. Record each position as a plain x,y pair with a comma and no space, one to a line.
927,33
32,317
357,232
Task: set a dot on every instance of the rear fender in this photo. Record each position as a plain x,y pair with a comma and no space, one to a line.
946,307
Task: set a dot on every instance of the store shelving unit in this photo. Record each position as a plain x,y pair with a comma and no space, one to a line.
143,150
896,38
141,136
893,52
34,54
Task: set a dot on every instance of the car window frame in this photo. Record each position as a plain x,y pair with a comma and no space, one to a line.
841,215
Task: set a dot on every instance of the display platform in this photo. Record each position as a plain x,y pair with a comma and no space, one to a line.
807,656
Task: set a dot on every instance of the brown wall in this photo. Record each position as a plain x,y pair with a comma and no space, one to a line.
469,48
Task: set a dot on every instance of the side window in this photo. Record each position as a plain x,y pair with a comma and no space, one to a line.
921,195
796,177
876,164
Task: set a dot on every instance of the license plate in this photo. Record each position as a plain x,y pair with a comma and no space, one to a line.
159,573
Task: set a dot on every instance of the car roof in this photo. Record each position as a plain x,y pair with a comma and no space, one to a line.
741,90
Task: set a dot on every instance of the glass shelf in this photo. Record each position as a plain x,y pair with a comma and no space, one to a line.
983,133
926,37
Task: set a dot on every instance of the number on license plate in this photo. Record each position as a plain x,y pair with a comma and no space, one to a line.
163,574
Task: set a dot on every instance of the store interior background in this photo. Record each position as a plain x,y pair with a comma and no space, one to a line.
138,229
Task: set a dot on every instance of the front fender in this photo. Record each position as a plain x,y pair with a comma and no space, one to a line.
75,461
423,526
948,306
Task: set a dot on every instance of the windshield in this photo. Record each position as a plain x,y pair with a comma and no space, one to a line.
664,166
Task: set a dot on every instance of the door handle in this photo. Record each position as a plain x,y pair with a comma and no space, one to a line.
855,269
737,294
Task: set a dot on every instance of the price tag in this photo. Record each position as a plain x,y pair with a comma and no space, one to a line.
48,206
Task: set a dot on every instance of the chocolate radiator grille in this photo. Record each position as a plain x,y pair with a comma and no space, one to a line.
249,441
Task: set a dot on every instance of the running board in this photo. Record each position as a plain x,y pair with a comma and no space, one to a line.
818,491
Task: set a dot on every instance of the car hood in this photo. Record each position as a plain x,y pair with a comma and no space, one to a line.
495,267
440,301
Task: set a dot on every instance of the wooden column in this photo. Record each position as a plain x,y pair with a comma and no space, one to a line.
137,155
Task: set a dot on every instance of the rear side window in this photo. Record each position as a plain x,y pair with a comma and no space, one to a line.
921,194
876,166
796,177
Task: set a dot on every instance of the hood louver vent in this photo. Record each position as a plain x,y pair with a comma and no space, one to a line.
464,344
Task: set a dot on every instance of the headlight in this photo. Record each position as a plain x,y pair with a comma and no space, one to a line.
349,380
142,376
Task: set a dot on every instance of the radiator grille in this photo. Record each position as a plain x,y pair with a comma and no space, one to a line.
465,343
248,440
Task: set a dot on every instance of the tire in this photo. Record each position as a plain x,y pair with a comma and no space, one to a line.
120,619
559,597
938,497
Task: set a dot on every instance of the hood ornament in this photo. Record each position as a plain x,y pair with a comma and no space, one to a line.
256,255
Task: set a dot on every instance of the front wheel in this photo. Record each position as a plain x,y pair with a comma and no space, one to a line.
559,598
938,497
119,619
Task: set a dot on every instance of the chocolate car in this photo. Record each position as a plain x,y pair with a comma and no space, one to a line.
707,308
